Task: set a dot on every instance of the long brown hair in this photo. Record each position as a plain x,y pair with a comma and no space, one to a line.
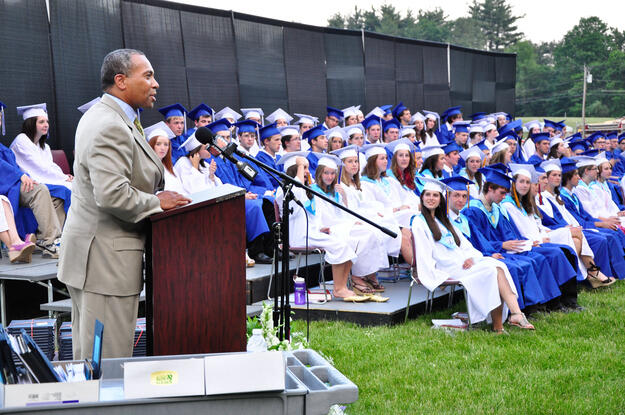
349,180
29,127
167,159
371,168
526,201
412,169
556,191
499,157
319,180
440,213
292,172
430,164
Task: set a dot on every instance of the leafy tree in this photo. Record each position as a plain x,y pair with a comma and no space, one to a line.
466,31
497,22
589,41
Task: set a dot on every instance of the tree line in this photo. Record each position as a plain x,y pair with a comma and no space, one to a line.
549,75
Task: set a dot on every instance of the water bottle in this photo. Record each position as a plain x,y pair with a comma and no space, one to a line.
300,290
257,343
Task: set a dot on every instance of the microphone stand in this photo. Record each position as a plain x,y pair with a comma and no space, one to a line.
282,310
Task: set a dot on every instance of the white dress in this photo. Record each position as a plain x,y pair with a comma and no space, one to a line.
439,260
604,197
37,162
4,224
592,201
388,193
431,139
194,180
531,228
173,183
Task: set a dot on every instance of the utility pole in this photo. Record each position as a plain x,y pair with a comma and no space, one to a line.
584,103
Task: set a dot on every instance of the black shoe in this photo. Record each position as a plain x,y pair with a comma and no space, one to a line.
262,258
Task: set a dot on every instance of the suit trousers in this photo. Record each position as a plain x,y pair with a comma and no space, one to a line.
49,212
117,314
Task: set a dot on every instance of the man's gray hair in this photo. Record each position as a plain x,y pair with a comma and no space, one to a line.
116,62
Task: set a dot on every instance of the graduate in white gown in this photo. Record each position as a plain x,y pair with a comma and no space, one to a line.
473,159
159,137
194,172
32,153
442,253
589,194
601,188
403,171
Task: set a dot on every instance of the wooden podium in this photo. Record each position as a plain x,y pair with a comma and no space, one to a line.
195,276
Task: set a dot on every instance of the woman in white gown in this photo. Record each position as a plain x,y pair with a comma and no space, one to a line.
403,171
193,171
32,153
159,137
442,253
473,158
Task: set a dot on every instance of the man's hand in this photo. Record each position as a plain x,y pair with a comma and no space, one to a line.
497,255
251,196
514,246
27,183
170,200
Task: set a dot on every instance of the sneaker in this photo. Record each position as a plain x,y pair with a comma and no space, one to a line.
50,250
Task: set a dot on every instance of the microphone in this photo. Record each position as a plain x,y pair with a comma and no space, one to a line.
206,136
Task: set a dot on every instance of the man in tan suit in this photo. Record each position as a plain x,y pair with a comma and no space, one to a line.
116,176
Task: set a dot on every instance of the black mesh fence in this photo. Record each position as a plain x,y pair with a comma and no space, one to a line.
229,59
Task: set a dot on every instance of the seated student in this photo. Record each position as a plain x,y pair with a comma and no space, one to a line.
159,137
527,144
390,130
558,148
193,171
377,186
490,136
461,134
608,252
541,143
431,121
32,153
433,162
500,153
306,229
305,122
448,118
522,269
596,202
333,118
19,250
202,115
350,116
271,141
494,222
526,216
403,171
476,134
355,199
402,113
373,129
280,117
290,139
451,159
362,238
175,118
610,190
473,158
443,253
316,138
335,138
356,136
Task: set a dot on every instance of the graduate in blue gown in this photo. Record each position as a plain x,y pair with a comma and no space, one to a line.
541,141
175,118
521,268
318,144
202,115
271,141
448,117
500,231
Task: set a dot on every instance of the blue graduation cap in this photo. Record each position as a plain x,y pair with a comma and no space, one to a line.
269,131
611,136
594,137
392,123
549,123
621,137
590,153
461,126
560,125
508,135
399,109
334,112
449,112
458,183
173,110
477,116
537,138
219,125
371,120
482,145
496,177
500,167
314,133
578,144
512,126
567,164
246,126
386,108
452,147
201,110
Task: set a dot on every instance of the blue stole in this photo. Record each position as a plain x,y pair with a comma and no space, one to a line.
311,206
383,182
447,238
565,193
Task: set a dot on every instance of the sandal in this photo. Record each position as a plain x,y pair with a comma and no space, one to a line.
355,299
499,331
361,288
375,285
377,298
595,281
523,324
21,252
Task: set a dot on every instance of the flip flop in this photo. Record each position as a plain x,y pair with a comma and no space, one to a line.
377,298
362,288
523,324
375,285
355,299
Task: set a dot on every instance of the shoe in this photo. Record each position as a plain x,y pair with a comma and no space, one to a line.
522,323
375,285
21,252
249,262
361,287
49,250
30,237
595,280
262,258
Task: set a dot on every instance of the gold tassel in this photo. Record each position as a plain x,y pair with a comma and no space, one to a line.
516,197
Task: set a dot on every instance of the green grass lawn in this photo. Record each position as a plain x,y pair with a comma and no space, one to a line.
572,364
572,122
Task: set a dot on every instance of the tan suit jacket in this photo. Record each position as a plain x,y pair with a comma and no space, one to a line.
116,176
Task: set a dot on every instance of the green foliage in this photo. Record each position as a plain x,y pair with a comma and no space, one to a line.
497,23
572,363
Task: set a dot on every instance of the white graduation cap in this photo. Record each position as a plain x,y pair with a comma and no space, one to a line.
557,140
500,145
160,129
417,116
229,114
376,111
374,149
354,129
432,115
345,152
84,107
279,114
328,160
601,158
401,144
290,159
583,161
190,143
489,127
434,185
250,113
473,151
306,119
476,128
407,130
29,111
551,165
334,132
429,151
351,111
532,124
526,170
288,130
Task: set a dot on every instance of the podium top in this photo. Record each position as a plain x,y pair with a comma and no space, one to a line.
202,199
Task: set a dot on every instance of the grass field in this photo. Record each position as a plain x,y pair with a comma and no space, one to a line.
573,122
572,364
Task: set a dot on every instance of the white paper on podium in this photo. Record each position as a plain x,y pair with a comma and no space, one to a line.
244,372
214,192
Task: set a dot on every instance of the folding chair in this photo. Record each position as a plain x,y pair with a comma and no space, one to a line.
299,251
60,159
429,301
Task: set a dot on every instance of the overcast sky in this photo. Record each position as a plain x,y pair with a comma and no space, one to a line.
545,20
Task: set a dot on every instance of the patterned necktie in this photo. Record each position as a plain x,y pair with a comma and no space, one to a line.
138,125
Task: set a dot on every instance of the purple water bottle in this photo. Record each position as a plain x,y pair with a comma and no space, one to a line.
300,290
